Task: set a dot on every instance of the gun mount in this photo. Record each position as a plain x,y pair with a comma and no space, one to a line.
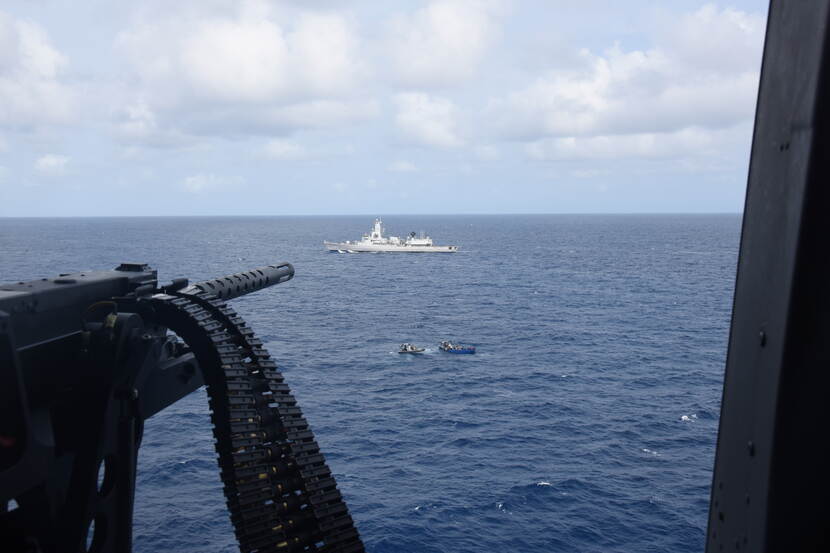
86,358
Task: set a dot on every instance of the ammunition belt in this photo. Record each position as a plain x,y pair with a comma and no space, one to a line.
280,494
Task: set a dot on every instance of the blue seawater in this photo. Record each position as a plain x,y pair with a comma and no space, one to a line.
586,421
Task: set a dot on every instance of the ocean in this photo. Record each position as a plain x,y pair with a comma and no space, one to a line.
586,421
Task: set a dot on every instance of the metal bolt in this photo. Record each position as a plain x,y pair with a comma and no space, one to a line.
129,394
750,448
762,336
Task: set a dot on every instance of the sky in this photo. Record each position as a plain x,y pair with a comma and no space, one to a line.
315,107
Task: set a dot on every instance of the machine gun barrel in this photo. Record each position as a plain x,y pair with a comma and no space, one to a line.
239,284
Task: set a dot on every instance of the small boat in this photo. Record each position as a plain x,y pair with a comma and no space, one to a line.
410,348
450,347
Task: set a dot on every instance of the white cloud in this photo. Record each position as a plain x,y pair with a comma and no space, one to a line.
32,91
137,123
427,120
692,141
630,92
318,114
283,150
51,165
255,59
238,70
489,86
442,43
402,166
231,60
326,54
709,39
703,76
203,182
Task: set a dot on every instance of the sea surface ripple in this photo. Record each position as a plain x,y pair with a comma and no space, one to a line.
586,421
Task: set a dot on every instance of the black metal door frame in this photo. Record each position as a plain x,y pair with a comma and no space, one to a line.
772,477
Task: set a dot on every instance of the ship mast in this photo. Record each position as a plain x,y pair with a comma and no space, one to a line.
377,231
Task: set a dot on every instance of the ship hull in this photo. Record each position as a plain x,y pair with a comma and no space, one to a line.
345,247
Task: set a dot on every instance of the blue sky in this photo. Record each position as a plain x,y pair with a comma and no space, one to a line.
210,107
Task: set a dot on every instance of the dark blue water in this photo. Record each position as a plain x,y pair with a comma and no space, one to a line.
586,421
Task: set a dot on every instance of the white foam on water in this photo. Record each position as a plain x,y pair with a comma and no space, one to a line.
543,483
650,451
688,418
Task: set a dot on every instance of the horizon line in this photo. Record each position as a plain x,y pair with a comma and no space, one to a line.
375,215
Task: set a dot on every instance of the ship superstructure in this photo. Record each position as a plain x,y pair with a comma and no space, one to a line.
375,241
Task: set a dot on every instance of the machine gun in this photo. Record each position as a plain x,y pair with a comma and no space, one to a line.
86,358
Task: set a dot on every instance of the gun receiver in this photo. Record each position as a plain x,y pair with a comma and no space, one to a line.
86,357
50,307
